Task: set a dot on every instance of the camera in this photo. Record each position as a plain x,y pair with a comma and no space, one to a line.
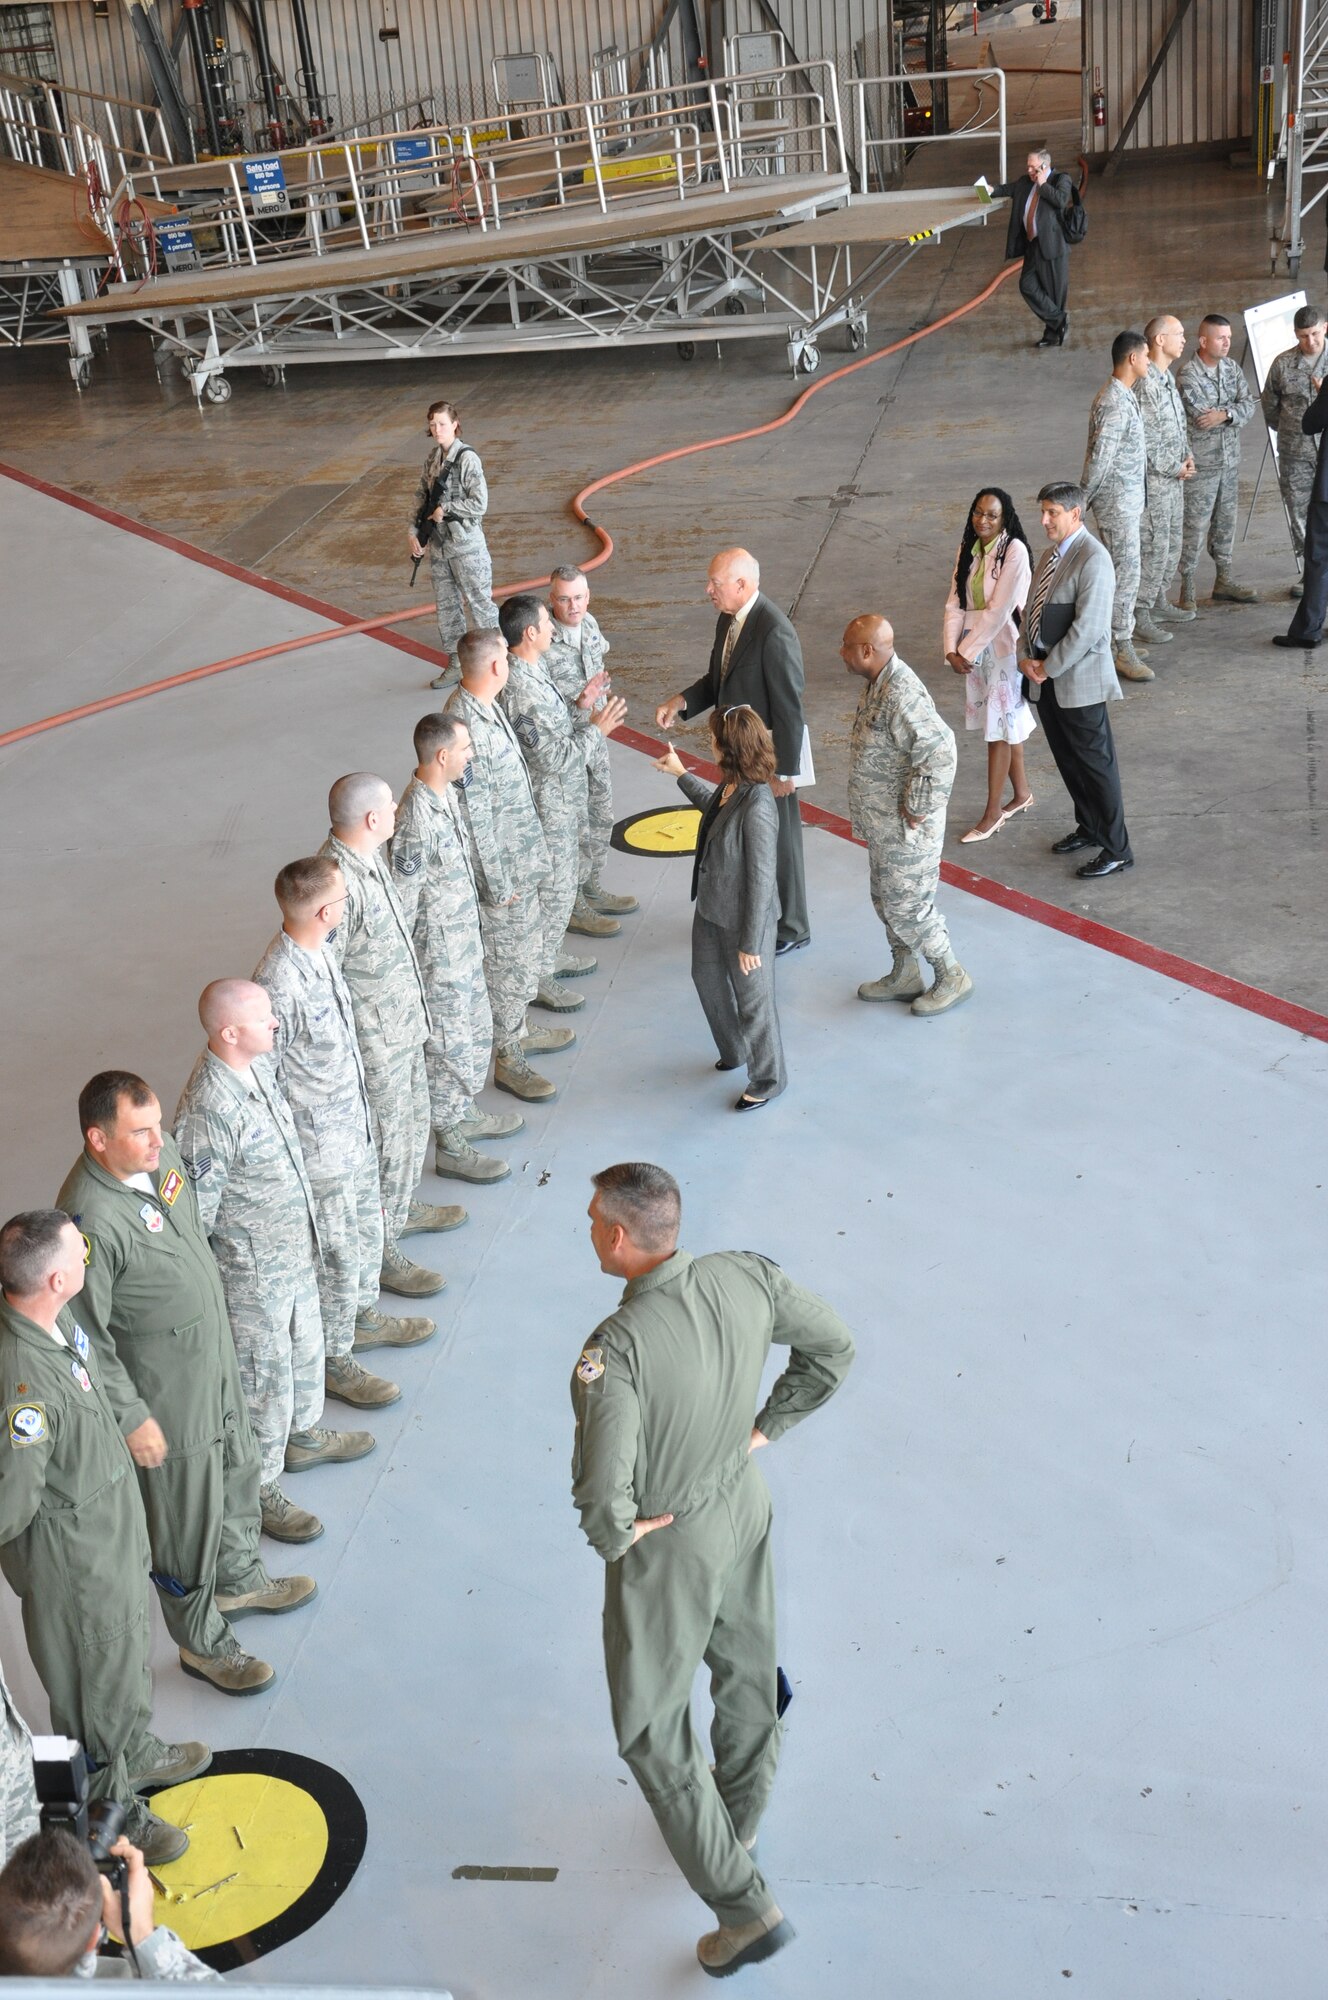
60,1767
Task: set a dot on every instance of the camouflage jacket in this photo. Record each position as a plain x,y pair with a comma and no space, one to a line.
1166,442
435,880
1221,388
507,847
901,755
242,1153
317,1057
1114,467
373,946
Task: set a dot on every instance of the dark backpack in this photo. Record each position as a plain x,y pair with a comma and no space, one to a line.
1074,220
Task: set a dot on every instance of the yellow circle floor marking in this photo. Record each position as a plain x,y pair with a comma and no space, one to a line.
256,1844
670,830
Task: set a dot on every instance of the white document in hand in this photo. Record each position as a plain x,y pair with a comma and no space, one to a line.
806,771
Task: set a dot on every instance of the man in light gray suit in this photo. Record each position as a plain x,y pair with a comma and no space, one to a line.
1071,676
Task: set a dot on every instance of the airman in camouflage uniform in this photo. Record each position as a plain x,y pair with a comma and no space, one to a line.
18,1796
549,733
509,856
435,881
1113,483
373,946
901,769
1166,448
322,1080
574,660
1294,380
1218,405
458,553
240,1148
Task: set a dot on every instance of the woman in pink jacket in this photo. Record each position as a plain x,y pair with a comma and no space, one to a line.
982,614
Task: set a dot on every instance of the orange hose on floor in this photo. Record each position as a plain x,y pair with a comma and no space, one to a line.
110,701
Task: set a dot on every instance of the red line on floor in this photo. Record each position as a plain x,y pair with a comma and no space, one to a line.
1302,1020
1086,930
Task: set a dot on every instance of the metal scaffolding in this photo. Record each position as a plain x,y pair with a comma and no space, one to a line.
1303,149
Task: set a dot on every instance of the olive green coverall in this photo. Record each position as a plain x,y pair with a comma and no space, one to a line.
153,1303
665,1394
73,1545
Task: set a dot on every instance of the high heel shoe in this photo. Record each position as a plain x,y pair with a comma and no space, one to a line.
1022,807
982,832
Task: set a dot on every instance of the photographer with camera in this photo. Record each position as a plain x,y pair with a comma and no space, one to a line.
57,1905
73,1543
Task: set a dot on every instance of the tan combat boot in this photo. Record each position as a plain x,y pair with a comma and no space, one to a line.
1147,629
605,901
551,993
429,1218
587,921
1128,664
479,1124
1185,604
455,1159
902,982
156,1839
512,1072
1226,590
734,1945
407,1280
568,966
379,1329
157,1763
547,1041
952,984
284,1522
274,1594
346,1382
230,1670
318,1446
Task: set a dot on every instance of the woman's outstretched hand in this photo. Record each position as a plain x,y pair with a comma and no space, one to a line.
670,762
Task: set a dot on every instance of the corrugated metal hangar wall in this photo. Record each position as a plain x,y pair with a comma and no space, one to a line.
1204,92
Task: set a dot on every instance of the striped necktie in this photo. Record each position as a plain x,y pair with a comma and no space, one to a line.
726,657
1041,592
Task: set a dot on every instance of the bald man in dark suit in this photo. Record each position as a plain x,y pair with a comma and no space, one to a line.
756,662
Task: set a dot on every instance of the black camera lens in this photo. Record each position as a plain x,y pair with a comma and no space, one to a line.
106,1822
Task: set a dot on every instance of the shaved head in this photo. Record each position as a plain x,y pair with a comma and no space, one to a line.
870,629
733,580
737,563
228,1001
354,797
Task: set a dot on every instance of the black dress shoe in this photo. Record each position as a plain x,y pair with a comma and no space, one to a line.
1049,338
790,944
1062,330
1103,864
1305,645
1071,843
745,1103
724,1065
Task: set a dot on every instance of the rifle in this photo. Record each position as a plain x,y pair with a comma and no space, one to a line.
425,526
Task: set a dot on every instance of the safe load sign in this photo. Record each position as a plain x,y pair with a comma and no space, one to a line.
178,248
267,186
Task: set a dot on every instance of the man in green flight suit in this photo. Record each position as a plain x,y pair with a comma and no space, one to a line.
157,1311
72,1540
665,1395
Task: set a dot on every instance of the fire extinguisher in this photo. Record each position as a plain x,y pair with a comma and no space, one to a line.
1098,103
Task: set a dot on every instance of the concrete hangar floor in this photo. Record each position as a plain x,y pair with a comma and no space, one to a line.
1049,1567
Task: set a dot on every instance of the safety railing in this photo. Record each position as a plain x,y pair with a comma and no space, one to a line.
885,112
348,193
39,120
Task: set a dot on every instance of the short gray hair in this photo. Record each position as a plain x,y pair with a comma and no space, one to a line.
566,573
1040,153
1063,493
643,1200
354,797
30,1249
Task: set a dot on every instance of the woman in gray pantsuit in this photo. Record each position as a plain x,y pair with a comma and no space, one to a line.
737,900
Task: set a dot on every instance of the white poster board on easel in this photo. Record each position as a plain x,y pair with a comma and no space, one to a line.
1269,331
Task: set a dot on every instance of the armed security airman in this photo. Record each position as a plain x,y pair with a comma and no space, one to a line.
435,881
666,1394
372,944
510,859
322,1080
155,1305
73,1543
575,661
241,1151
901,770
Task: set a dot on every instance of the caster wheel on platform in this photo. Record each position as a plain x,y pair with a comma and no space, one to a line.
272,378
857,336
686,350
809,360
217,389
735,307
82,372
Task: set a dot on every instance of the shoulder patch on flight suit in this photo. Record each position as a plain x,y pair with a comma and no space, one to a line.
81,1343
153,1219
27,1424
87,1248
199,1168
170,1188
591,1365
80,1375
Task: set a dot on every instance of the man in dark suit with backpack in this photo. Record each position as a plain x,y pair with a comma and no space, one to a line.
1046,216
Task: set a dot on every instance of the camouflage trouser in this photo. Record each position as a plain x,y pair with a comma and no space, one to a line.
598,823
563,824
456,1055
905,873
398,1094
1211,500
18,1797
1118,531
513,948
350,1229
1295,475
1159,539
278,1333
463,587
